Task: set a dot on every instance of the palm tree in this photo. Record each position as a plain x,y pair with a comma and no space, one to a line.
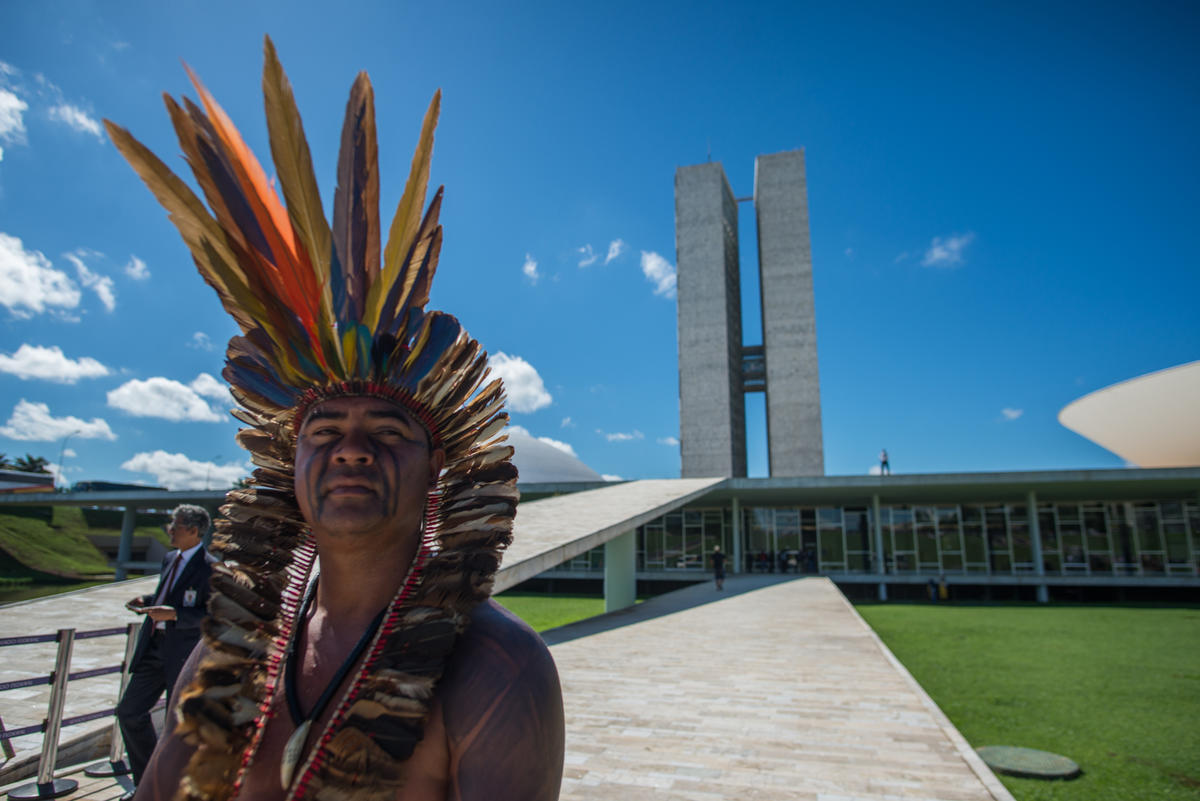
4,463
31,464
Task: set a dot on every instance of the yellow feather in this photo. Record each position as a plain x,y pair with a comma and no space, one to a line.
407,220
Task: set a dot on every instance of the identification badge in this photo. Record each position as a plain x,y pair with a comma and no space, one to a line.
189,598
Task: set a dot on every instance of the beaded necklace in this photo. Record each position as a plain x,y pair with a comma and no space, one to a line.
295,743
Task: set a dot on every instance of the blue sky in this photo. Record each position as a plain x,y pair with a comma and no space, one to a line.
1003,197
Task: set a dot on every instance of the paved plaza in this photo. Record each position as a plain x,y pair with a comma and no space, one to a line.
772,689
778,690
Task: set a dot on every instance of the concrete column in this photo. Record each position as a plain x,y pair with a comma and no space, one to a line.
1035,537
125,546
620,572
880,564
1191,541
1134,539
737,537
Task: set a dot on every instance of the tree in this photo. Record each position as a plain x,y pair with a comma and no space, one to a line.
4,463
31,464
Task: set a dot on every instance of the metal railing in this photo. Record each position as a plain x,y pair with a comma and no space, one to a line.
46,785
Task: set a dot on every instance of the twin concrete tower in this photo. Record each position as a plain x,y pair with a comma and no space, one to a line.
715,369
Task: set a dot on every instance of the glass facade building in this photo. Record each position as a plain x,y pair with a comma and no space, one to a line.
1146,538
1121,527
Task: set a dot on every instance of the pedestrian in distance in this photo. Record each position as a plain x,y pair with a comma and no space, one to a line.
718,563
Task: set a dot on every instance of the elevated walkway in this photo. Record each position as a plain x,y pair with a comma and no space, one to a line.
774,688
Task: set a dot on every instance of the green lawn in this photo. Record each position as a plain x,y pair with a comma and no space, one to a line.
544,612
52,541
1117,689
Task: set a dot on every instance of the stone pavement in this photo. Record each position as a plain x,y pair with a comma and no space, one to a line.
774,689
779,690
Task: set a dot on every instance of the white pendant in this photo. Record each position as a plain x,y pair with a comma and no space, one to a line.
291,753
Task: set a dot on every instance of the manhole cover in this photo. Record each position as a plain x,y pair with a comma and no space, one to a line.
1028,763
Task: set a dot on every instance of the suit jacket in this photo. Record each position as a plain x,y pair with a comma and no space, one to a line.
189,596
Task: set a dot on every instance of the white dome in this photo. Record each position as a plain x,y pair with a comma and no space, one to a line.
1149,421
540,462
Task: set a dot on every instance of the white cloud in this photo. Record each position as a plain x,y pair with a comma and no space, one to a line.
176,471
200,341
659,272
589,256
69,453
529,268
209,387
615,249
875,470
76,118
553,443
102,285
621,436
947,252
49,364
1011,414
136,269
29,284
668,441
611,477
526,391
162,397
12,117
562,446
567,423
33,422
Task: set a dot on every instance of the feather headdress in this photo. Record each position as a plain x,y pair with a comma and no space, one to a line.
326,311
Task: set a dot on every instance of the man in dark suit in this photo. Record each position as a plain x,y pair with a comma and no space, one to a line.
174,611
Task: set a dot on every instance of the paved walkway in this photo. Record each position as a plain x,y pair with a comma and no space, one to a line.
773,689
777,691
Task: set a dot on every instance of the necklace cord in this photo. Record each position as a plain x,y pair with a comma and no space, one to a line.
290,670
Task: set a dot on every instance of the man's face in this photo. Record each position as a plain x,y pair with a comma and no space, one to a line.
182,536
363,465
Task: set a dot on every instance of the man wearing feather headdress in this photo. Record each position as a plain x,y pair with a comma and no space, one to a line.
351,650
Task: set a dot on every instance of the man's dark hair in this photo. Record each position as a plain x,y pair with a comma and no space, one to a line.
187,514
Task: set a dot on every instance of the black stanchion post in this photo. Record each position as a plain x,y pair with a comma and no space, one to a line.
47,786
116,765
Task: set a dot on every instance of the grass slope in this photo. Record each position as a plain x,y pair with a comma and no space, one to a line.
1117,689
51,542
544,612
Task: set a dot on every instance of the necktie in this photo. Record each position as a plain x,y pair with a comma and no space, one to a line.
166,587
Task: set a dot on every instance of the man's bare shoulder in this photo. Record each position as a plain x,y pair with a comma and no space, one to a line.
502,708
498,643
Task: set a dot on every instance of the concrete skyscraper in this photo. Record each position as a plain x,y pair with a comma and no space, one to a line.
715,368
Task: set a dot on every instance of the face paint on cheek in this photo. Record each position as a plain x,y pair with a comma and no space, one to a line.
391,499
316,467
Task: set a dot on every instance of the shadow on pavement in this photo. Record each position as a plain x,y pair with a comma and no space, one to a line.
667,604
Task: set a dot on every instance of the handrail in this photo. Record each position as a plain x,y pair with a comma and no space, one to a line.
47,786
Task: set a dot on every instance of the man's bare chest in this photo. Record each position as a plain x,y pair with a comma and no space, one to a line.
427,770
